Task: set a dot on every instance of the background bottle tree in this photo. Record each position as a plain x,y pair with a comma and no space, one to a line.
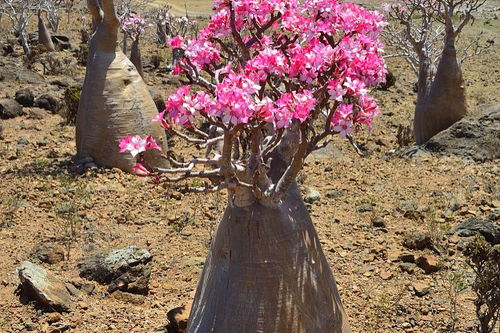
425,33
275,80
134,26
115,101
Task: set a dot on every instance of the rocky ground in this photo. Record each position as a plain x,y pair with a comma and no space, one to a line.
393,224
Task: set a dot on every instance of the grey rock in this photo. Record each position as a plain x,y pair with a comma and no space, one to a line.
62,42
472,139
9,108
312,196
1,130
473,226
126,269
48,102
44,287
25,97
378,222
417,240
12,73
47,253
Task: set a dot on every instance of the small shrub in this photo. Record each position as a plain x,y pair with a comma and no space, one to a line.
485,261
390,81
156,60
71,101
81,54
404,137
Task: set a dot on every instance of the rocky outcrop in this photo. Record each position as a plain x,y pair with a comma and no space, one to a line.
126,269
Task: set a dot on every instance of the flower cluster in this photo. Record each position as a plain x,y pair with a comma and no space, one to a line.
136,145
281,62
309,45
134,24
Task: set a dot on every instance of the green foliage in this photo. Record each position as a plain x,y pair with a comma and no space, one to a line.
485,261
71,99
81,54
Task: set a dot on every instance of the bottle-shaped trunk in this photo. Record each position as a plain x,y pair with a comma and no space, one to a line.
266,273
443,103
115,101
125,43
135,56
44,35
161,34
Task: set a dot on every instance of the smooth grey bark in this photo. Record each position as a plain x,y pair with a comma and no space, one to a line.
135,56
266,273
442,102
115,101
44,35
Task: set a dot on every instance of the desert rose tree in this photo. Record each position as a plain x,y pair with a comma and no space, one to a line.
115,101
134,25
275,80
428,35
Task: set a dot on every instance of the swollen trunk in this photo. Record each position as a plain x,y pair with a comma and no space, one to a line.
44,35
115,101
444,103
135,56
266,273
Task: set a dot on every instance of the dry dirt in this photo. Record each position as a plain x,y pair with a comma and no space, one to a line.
113,209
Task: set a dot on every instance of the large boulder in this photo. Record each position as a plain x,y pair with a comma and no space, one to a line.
9,108
126,269
44,287
474,226
48,102
473,138
25,97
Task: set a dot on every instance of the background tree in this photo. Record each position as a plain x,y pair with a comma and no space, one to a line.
169,26
19,13
123,9
134,25
427,40
271,71
43,34
115,101
53,9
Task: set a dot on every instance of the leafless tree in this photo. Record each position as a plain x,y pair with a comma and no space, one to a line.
425,34
53,9
123,9
19,13
169,26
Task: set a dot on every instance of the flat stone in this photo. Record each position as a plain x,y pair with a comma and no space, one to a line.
428,263
44,287
421,288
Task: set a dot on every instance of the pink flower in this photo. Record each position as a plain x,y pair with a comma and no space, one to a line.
136,145
133,144
177,42
151,143
161,119
344,128
140,170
